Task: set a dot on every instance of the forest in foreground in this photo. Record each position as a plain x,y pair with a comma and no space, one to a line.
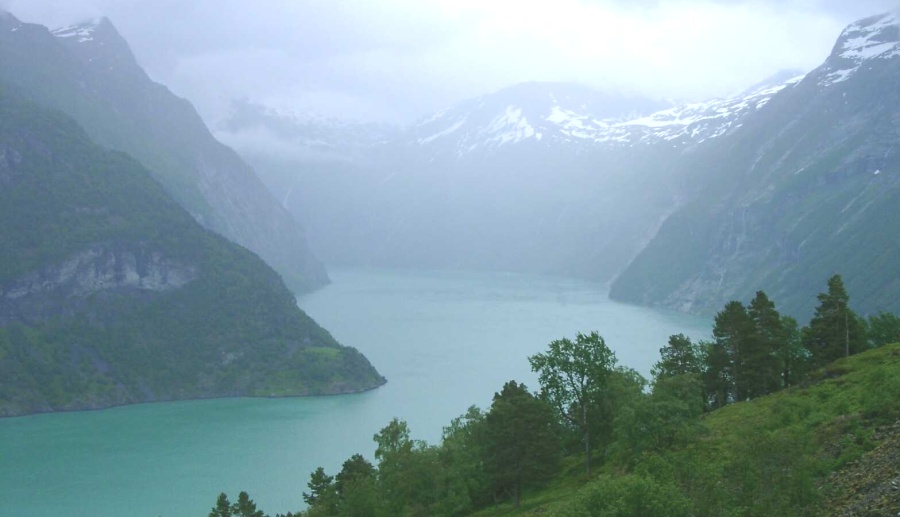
767,418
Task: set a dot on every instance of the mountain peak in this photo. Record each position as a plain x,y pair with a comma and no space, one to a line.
85,31
98,42
875,37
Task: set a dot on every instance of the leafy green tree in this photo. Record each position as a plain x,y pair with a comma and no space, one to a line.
574,378
883,329
465,481
362,498
835,331
523,447
625,389
679,357
667,417
408,471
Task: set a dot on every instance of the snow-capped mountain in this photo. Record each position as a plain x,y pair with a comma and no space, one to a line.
807,188
874,38
541,113
548,113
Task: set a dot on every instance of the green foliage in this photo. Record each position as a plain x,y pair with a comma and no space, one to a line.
322,490
628,496
667,418
680,357
522,443
883,329
835,330
233,328
353,469
574,379
243,507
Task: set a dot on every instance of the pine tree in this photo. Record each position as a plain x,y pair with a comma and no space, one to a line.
322,491
522,442
678,358
835,331
762,360
716,375
734,333
222,508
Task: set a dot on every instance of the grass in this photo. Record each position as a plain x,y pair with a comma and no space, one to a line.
770,456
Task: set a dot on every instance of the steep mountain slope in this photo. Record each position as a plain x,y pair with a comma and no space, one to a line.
539,177
89,72
110,293
808,188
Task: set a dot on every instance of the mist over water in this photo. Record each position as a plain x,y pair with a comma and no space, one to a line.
444,340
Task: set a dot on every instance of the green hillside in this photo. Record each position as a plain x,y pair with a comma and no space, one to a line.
827,446
110,293
98,82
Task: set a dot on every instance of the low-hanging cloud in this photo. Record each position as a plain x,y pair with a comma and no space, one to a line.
400,59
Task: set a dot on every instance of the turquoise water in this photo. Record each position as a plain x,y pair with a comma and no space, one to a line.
444,340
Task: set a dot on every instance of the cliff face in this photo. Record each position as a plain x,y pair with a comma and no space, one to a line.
56,290
89,72
110,293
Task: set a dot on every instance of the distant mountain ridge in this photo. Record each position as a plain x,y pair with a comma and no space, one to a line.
538,177
614,120
89,72
684,207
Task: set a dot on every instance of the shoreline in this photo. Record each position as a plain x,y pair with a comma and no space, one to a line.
192,399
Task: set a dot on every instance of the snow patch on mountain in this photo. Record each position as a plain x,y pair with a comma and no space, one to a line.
445,132
505,118
82,32
877,37
509,128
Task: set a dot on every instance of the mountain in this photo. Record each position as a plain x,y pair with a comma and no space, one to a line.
565,114
807,188
111,293
89,72
539,177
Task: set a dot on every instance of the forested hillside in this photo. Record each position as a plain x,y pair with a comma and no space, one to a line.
110,293
89,72
768,418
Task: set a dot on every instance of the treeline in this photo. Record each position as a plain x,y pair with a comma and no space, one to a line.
589,406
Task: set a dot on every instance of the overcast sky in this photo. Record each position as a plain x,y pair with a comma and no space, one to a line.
398,60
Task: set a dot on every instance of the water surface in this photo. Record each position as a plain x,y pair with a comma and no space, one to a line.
444,340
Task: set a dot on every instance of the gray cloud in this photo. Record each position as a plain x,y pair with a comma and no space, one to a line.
400,59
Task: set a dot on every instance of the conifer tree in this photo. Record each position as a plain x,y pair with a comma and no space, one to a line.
679,357
762,360
522,441
835,331
734,333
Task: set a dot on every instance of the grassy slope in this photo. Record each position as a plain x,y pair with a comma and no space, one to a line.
828,448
